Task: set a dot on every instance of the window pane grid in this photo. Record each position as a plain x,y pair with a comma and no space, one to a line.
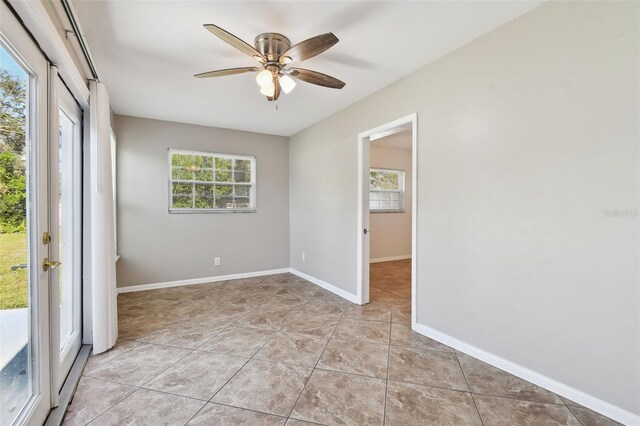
208,181
386,190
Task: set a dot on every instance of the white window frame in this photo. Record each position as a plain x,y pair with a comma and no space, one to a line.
400,191
251,184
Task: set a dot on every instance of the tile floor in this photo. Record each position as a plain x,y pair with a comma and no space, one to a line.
279,350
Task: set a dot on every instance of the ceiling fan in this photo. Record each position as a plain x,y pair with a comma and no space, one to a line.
275,53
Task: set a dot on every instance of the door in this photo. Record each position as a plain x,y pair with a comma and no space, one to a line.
25,392
64,230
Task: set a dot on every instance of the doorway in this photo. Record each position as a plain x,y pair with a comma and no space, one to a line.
40,280
387,195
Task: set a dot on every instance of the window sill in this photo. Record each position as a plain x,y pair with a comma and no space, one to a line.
206,211
385,211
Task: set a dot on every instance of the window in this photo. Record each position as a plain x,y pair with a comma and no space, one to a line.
386,190
209,182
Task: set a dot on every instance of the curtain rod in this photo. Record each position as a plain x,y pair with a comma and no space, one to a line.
80,37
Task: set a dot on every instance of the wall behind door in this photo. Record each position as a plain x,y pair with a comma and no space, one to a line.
391,232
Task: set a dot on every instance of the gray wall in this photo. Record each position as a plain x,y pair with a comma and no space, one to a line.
156,246
391,232
528,142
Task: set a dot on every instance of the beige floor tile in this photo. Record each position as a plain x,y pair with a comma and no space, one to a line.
294,349
239,341
322,307
425,367
222,415
92,398
198,375
139,365
508,411
368,331
269,313
147,407
121,347
299,289
401,318
293,302
319,326
272,318
265,386
184,335
486,379
402,335
294,422
591,418
338,398
387,298
352,356
369,312
414,404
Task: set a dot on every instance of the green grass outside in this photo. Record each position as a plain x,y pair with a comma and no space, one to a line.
13,284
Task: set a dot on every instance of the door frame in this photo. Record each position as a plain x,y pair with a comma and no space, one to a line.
364,164
62,359
18,43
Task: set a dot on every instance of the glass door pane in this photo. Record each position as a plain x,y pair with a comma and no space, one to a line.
67,299
65,233
25,385
24,333
15,365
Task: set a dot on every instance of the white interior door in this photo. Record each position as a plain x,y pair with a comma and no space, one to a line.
25,393
65,229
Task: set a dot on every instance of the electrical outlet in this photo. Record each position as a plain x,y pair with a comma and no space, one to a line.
304,256
216,261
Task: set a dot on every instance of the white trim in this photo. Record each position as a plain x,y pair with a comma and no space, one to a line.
362,245
390,259
203,280
330,287
215,279
605,408
37,20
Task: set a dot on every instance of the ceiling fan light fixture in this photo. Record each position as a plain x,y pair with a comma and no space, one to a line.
268,89
275,52
287,84
264,78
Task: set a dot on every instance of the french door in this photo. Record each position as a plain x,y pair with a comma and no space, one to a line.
40,141
64,230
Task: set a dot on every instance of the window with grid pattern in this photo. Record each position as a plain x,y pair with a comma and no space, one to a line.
386,190
211,182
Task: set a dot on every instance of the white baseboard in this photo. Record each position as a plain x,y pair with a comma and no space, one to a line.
390,259
203,280
607,409
332,288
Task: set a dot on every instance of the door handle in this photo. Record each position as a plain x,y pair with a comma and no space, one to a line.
366,231
49,264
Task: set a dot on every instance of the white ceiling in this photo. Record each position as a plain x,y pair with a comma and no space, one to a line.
146,53
400,140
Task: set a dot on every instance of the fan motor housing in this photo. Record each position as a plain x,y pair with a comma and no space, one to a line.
272,45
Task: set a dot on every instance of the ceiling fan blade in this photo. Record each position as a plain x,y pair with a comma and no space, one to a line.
235,41
228,71
311,47
315,77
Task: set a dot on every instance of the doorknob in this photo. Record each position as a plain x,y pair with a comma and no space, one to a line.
365,231
49,264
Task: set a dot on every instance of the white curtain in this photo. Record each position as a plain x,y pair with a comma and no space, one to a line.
100,256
